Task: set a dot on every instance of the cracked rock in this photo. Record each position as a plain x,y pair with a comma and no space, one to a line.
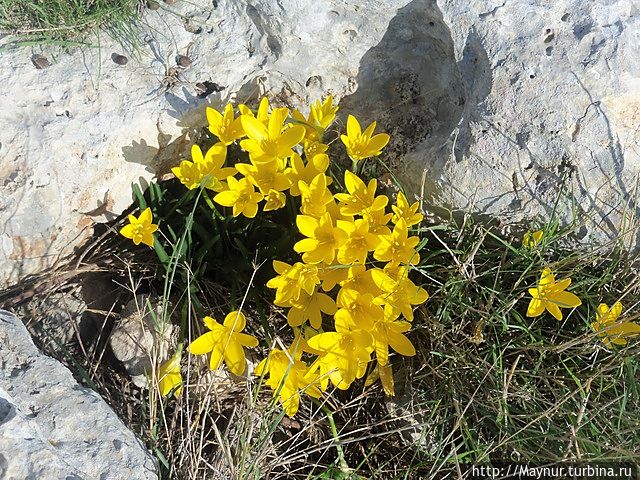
53,428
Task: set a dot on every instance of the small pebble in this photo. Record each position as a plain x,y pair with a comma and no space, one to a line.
170,2
39,61
183,61
151,5
119,59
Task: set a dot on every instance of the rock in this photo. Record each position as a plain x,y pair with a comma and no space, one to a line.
503,105
51,427
40,61
77,134
119,59
136,339
57,320
508,106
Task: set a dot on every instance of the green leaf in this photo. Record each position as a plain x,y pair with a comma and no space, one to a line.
137,193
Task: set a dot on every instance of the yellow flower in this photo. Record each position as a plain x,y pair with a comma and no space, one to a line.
324,238
225,342
306,173
291,280
241,196
315,196
345,355
402,209
210,166
378,221
263,111
288,377
310,307
272,142
530,239
332,274
311,149
361,145
360,279
225,126
610,331
205,168
323,114
551,295
398,247
320,117
265,176
169,377
140,229
188,173
359,242
361,198
357,310
391,334
274,200
399,292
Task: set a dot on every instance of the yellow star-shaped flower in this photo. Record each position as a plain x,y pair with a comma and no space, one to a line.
323,238
140,229
361,145
402,209
224,125
361,199
609,329
551,296
225,342
241,196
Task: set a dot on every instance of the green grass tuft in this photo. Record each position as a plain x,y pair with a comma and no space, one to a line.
67,22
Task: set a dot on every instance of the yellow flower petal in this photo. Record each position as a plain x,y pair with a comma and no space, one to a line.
235,321
127,231
536,308
565,299
234,358
554,310
203,344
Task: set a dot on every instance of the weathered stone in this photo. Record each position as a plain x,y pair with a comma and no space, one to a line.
515,109
139,337
506,104
75,135
51,427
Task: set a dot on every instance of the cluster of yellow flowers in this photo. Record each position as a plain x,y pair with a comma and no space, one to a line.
341,231
356,254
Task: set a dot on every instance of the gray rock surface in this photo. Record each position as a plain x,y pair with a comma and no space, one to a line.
506,104
75,135
139,338
514,106
51,427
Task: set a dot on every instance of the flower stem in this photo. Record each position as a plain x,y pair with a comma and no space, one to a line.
344,466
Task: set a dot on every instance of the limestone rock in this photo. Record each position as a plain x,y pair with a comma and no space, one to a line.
139,337
505,104
508,106
51,427
75,135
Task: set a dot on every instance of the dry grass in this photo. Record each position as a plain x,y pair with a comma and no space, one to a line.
487,383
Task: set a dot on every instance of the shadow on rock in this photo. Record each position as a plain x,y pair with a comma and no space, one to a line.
190,112
410,83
